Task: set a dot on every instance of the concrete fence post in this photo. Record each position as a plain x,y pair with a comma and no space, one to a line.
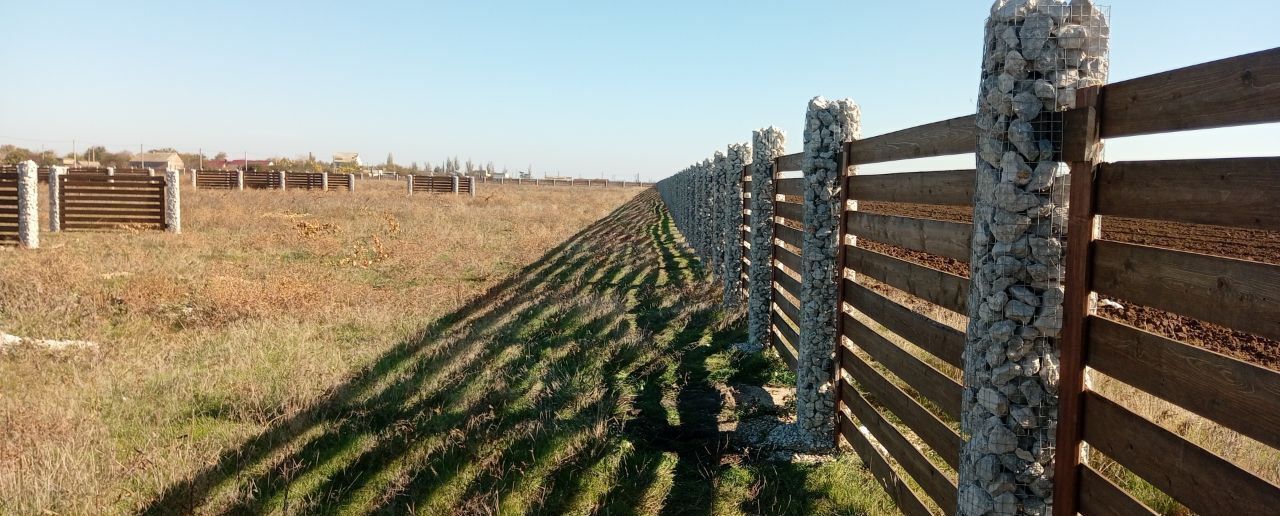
283,178
172,201
455,184
111,172
737,158
240,180
471,187
767,145
28,205
324,181
351,183
151,172
194,174
1036,55
55,206
408,183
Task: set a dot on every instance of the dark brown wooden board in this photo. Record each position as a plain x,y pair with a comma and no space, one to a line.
1238,395
945,441
783,338
954,136
906,499
1195,477
933,481
943,187
789,259
1100,497
1238,90
940,288
938,388
942,341
791,186
789,210
948,239
789,235
787,308
790,162
1240,192
1238,294
787,283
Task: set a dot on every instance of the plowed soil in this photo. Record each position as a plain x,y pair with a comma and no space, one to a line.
1253,245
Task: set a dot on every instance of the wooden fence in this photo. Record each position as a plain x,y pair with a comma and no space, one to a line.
8,205
217,179
262,180
560,182
91,202
904,293
441,184
304,181
745,187
1237,294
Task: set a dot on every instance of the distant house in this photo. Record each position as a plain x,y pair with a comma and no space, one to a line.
347,158
157,160
72,162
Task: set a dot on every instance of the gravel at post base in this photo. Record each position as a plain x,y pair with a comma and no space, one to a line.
1244,244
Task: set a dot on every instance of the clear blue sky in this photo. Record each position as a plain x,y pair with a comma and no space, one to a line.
576,87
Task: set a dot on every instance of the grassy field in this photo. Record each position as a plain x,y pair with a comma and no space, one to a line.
328,353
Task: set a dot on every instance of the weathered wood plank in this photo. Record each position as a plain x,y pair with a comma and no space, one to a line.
789,235
1239,395
948,239
1238,294
906,499
934,482
940,288
784,339
1238,90
790,186
787,308
785,282
944,187
789,259
924,423
790,162
1195,477
954,136
942,341
1100,497
929,382
1241,192
789,210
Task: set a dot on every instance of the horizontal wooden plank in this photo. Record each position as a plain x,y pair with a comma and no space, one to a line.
907,500
156,214
789,210
1193,476
929,382
80,204
940,288
789,235
138,199
746,203
790,162
790,186
1242,192
944,187
1100,497
1238,90
1238,294
787,308
945,441
932,480
789,259
786,283
1238,395
948,239
942,341
954,136
85,219
784,339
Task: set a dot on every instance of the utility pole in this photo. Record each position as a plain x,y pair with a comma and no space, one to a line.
200,158
75,158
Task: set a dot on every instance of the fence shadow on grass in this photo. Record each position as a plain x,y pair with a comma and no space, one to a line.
509,403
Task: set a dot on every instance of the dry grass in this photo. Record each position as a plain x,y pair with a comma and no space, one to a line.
257,310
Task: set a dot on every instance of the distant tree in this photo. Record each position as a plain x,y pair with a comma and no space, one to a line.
391,161
470,167
220,156
488,169
163,149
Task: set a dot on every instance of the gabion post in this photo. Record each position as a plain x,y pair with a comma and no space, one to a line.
283,178
194,175
408,183
351,183
240,180
455,184
767,145
829,124
715,221
172,201
55,207
28,205
324,181
737,158
1035,57
151,172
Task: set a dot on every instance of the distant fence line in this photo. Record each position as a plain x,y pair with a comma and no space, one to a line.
1023,405
271,180
87,200
440,184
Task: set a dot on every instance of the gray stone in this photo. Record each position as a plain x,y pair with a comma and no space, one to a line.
1035,33
974,500
1006,504
1022,136
1006,372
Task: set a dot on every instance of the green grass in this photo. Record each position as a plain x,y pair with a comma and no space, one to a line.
589,383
